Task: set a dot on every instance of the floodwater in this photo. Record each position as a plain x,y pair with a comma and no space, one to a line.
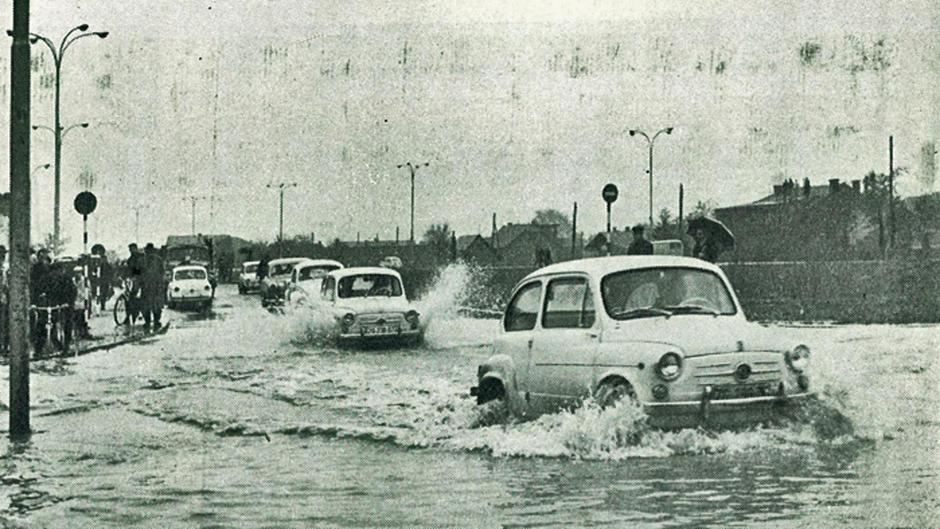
246,419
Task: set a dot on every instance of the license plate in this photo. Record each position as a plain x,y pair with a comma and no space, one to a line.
379,330
742,391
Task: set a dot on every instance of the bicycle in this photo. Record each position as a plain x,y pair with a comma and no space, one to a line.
54,327
126,304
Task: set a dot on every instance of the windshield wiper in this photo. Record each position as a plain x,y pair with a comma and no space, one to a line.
641,312
693,309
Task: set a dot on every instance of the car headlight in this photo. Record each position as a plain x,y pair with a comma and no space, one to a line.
207,287
669,366
798,358
348,319
412,317
176,289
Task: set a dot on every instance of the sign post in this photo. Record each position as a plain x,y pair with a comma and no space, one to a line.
85,204
609,194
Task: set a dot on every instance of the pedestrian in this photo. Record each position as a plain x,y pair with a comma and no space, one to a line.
40,277
639,246
705,248
152,287
62,294
102,286
132,273
262,269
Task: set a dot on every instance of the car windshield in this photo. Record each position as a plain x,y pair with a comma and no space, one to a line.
192,273
651,292
250,269
366,285
314,272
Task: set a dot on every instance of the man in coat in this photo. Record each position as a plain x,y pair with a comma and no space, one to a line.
152,287
639,246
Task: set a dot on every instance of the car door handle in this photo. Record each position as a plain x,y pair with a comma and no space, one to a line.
530,343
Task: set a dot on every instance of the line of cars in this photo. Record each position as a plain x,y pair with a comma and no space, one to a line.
367,303
666,333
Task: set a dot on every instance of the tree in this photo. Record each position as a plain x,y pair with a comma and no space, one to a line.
49,243
666,227
438,238
553,216
702,209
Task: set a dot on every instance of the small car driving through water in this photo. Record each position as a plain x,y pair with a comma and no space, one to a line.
306,279
665,332
274,285
369,304
189,287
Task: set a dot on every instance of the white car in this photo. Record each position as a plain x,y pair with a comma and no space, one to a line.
306,278
369,304
189,287
274,284
666,332
248,277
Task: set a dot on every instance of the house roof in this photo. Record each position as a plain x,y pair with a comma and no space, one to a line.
464,241
510,232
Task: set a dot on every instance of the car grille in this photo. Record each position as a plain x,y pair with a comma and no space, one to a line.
738,376
381,318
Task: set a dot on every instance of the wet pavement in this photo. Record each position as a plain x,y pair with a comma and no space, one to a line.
242,418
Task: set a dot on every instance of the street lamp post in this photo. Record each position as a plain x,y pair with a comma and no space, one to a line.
57,54
412,168
650,141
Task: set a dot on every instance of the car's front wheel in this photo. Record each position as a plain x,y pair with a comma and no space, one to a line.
610,392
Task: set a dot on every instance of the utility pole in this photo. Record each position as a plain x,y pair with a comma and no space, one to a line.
574,230
891,192
681,204
280,187
192,199
412,168
137,209
19,222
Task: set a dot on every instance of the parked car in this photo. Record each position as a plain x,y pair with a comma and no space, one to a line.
189,287
248,277
369,303
306,278
274,285
666,332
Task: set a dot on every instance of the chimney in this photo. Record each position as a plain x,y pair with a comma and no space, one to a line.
807,188
833,186
857,186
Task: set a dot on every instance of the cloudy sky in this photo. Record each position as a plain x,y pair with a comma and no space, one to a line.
517,106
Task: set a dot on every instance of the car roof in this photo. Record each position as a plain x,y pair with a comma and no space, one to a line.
601,266
318,262
189,267
286,260
248,263
358,270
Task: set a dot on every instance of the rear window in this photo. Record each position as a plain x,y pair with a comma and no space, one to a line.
315,272
194,273
250,269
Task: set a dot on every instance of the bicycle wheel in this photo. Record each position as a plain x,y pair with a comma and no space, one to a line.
120,310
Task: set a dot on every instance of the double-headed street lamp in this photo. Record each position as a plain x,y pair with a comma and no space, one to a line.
280,187
57,54
412,168
634,132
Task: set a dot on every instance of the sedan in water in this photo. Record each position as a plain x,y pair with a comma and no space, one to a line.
369,304
189,287
274,285
248,277
665,332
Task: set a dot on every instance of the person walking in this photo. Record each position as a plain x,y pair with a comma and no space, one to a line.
705,248
639,246
151,287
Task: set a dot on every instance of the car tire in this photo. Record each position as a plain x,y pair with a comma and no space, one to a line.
613,391
241,289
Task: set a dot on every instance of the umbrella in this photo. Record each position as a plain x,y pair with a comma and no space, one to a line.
716,230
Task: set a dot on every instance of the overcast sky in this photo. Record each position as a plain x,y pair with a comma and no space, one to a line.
517,105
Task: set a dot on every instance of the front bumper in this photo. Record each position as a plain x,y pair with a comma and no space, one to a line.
189,298
724,413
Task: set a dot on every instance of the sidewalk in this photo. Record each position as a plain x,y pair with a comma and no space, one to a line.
105,334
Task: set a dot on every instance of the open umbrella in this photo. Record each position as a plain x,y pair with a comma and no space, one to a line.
716,230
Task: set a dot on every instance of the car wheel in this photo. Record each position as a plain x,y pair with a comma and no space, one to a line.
613,391
241,289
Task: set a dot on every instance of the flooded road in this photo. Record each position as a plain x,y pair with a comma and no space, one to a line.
241,418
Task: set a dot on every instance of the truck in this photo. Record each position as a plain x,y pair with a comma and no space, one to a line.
189,249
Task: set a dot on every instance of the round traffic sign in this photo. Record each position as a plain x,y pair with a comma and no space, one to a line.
609,193
85,202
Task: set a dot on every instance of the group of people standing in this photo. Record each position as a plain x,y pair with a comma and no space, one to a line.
145,275
705,247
